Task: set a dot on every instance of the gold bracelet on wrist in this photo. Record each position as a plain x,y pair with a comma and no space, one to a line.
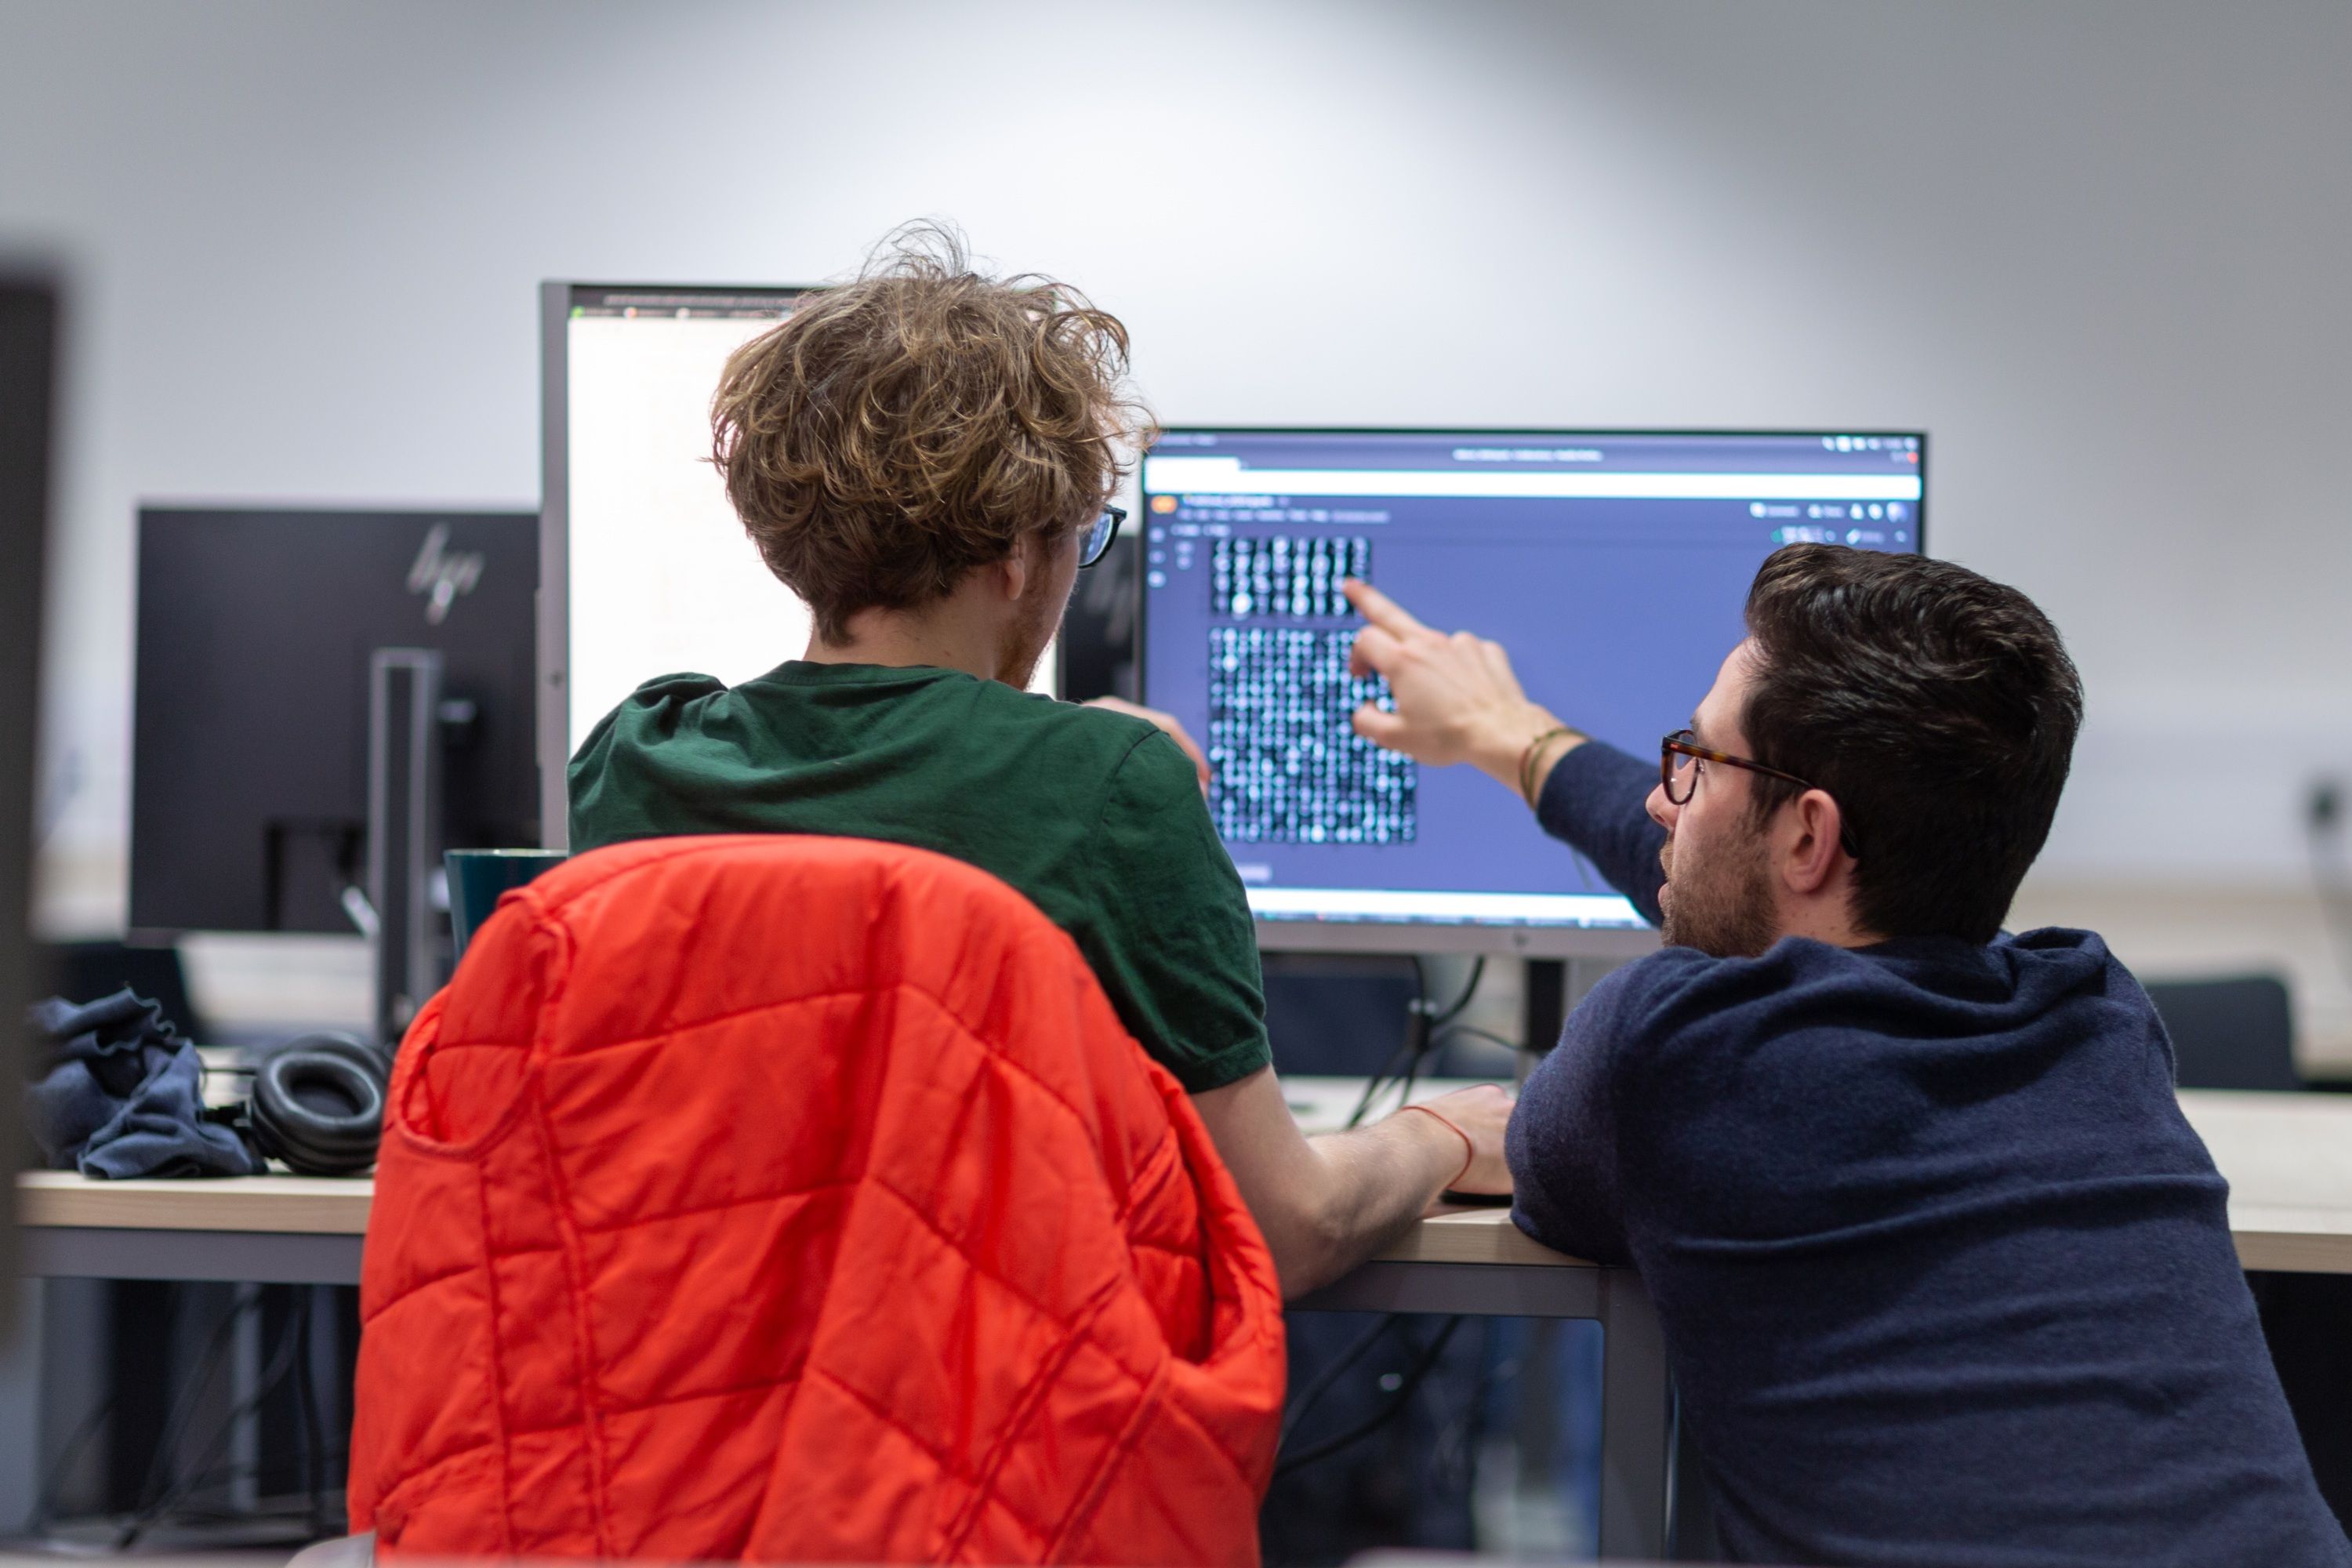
1534,754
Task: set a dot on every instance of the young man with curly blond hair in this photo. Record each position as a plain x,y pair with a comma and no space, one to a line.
926,456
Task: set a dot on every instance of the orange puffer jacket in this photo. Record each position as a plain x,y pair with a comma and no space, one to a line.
802,1199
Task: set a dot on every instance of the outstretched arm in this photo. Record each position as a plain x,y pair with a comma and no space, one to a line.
1458,701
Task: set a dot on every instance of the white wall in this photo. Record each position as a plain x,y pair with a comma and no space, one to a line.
2098,249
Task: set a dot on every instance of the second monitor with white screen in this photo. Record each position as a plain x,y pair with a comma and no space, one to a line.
644,568
1614,566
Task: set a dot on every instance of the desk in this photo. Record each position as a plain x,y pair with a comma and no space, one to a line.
2288,1159
271,1230
1474,1260
309,1230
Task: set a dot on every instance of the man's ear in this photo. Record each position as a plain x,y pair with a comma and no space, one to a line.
1016,571
1809,841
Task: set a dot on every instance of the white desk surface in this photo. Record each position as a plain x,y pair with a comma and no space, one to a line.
2288,1159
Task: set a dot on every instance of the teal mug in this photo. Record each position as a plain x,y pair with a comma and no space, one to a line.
477,877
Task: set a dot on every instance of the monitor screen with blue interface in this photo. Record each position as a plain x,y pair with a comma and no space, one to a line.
1613,567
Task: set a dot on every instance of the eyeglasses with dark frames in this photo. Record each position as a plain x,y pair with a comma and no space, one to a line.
1679,753
1094,541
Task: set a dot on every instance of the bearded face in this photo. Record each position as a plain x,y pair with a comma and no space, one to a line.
1718,896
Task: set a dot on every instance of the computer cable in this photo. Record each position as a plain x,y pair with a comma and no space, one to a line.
1432,1024
1410,1383
156,1509
1372,1084
247,1301
1451,1462
306,1399
45,1502
1473,1031
1420,1037
1416,1014
1330,1375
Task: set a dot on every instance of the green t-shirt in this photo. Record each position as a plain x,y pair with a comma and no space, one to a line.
1094,817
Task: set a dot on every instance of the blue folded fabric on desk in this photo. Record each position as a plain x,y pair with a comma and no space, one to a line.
116,1093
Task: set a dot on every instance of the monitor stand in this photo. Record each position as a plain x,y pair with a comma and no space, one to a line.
1553,988
404,760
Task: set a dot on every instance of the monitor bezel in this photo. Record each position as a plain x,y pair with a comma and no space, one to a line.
1522,940
556,297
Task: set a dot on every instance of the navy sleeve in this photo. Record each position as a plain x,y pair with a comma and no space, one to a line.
1562,1139
1596,801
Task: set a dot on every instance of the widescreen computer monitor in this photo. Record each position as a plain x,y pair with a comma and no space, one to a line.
257,630
1613,567
645,568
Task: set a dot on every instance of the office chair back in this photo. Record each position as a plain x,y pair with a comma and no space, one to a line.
2232,1033
798,1199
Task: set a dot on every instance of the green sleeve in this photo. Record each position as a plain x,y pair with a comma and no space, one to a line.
1181,964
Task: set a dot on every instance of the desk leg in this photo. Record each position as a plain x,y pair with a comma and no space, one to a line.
1634,1404
20,1406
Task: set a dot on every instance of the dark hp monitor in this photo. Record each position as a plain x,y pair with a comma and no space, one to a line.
287,665
1613,566
27,375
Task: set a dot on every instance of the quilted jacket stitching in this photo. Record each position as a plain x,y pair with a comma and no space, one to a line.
1090,1497
997,1055
497,1366
408,1076
992,1054
700,1395
1167,1151
1017,1420
432,1478
955,1244
635,1223
582,1350
938,1457
536,1249
574,1423
541,897
1151,1177
1214,1442
445,1277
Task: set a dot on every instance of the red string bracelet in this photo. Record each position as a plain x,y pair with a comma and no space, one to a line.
1469,1150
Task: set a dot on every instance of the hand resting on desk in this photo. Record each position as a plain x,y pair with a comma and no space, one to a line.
1326,1204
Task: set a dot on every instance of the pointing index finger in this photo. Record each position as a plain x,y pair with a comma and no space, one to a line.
1378,608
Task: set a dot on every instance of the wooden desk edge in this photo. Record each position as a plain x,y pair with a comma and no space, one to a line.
313,1205
2293,1252
1473,1235
2267,1238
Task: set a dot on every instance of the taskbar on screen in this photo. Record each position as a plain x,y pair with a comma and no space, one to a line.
1368,906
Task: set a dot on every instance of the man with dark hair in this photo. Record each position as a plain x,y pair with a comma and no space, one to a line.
1945,1275
924,456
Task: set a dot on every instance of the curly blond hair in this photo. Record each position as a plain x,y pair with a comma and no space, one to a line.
895,432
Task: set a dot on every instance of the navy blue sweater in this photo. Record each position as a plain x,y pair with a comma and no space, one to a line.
1945,1275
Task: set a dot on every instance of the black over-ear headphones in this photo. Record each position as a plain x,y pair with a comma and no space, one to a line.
317,1105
